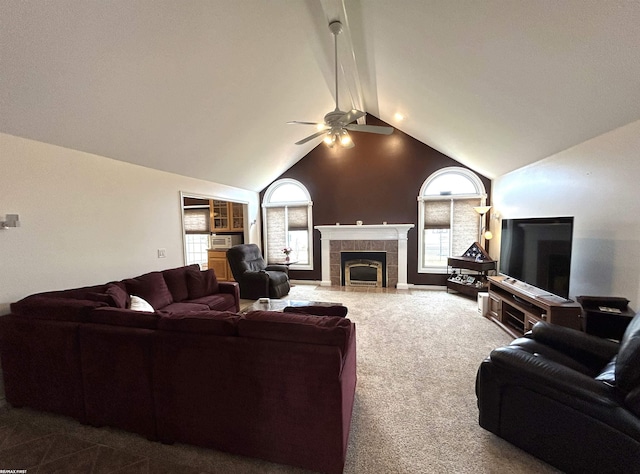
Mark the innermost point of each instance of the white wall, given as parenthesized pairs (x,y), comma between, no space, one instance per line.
(87,219)
(597,182)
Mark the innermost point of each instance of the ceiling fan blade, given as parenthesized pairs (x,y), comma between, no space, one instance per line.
(370,129)
(296,122)
(352,115)
(311,137)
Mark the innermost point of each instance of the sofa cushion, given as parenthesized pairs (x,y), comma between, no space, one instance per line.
(140,304)
(632,401)
(201,322)
(218,301)
(100,297)
(151,287)
(201,283)
(176,279)
(332,310)
(55,309)
(83,293)
(118,295)
(325,330)
(123,317)
(183,306)
(628,360)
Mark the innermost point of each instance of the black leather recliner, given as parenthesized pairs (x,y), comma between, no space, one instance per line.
(255,277)
(569,398)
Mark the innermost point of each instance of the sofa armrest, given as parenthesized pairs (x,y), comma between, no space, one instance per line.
(277,268)
(547,376)
(233,288)
(255,277)
(591,350)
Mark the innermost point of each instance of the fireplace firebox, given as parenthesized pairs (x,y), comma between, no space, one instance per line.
(366,269)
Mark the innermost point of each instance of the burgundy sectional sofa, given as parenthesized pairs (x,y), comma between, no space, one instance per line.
(275,386)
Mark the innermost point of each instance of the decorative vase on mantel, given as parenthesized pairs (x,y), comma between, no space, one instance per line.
(286,259)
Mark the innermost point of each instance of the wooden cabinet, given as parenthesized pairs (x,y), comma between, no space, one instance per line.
(218,262)
(516,306)
(237,216)
(226,216)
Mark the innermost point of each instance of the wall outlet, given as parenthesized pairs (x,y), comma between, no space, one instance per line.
(162,253)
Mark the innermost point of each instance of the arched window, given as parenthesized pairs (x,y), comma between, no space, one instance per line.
(448,225)
(288,223)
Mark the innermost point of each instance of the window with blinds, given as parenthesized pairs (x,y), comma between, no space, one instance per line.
(449,223)
(287,227)
(196,221)
(287,214)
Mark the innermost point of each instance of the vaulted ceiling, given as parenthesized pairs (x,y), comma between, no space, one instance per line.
(205,88)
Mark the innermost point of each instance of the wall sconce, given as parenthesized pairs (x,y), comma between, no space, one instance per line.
(12,220)
(484,231)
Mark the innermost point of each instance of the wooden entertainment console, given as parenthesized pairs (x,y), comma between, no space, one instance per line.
(516,306)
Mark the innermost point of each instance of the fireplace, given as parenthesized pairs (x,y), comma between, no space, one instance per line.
(389,239)
(365,269)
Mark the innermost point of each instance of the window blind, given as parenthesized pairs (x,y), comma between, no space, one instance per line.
(465,225)
(277,233)
(297,218)
(196,221)
(437,214)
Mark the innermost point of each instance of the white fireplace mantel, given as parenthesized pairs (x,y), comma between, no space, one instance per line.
(365,232)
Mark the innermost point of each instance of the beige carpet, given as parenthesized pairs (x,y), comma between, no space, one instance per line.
(415,409)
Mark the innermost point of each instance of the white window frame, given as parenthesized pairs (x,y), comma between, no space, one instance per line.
(266,203)
(480,193)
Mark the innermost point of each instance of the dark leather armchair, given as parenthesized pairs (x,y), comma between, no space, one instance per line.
(255,277)
(569,398)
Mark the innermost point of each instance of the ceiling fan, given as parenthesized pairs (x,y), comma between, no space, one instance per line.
(337,123)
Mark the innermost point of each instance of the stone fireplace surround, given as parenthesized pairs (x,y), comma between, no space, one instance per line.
(389,238)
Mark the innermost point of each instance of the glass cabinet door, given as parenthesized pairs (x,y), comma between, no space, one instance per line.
(237,216)
(220,218)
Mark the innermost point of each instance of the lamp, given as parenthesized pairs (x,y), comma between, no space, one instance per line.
(484,232)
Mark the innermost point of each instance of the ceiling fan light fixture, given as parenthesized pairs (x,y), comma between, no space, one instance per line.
(337,122)
(330,139)
(345,139)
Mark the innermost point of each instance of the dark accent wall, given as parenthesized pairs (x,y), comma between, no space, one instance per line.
(377,180)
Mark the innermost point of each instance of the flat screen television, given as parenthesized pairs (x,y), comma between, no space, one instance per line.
(537,251)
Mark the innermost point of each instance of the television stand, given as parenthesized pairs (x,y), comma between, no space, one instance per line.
(516,306)
(522,302)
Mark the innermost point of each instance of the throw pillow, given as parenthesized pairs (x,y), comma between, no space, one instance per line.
(176,279)
(151,287)
(202,283)
(139,304)
(119,297)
